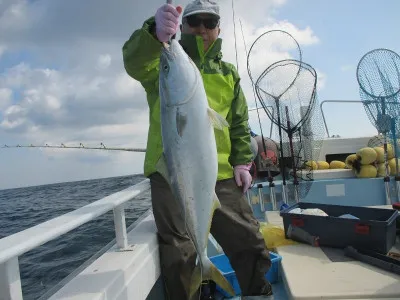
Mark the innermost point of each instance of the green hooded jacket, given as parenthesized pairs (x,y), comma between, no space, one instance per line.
(141,56)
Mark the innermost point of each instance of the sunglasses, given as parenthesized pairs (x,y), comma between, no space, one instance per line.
(195,21)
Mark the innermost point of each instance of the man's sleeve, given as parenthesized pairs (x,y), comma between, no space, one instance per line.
(141,54)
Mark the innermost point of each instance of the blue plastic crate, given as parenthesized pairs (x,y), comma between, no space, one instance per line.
(222,263)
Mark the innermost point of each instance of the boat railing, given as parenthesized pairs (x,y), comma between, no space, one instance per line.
(11,247)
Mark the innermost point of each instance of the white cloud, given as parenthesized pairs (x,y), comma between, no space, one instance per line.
(104,61)
(51,98)
(321,79)
(125,87)
(11,119)
(5,98)
(13,14)
(76,89)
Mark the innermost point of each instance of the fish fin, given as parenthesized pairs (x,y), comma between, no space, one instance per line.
(210,272)
(196,280)
(161,167)
(216,204)
(216,119)
(218,278)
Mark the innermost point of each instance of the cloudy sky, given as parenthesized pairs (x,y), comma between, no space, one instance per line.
(62,79)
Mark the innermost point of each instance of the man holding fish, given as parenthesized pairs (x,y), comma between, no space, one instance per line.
(198,152)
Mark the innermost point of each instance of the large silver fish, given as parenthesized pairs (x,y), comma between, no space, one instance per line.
(189,162)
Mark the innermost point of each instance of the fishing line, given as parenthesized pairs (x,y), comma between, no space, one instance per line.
(81,147)
(270,178)
(234,35)
(253,88)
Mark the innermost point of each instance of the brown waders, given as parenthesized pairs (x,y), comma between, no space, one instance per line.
(233,226)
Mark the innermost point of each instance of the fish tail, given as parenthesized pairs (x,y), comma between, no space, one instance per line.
(206,270)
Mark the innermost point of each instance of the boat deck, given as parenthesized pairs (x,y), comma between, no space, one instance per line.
(325,273)
(307,272)
(278,288)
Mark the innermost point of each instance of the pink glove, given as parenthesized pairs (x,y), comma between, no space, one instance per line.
(243,176)
(167,20)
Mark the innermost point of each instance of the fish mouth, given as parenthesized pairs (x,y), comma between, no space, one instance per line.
(167,51)
(166,46)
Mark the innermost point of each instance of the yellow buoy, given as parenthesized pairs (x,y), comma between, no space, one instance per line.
(311,165)
(390,151)
(380,154)
(337,164)
(350,160)
(367,171)
(322,165)
(382,170)
(367,155)
(392,165)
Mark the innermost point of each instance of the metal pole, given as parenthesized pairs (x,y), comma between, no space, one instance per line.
(120,227)
(261,197)
(249,199)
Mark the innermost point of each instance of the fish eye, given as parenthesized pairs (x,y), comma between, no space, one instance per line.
(166,68)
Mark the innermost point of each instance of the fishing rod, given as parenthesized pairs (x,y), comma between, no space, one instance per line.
(81,147)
